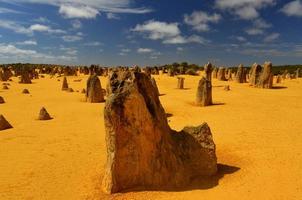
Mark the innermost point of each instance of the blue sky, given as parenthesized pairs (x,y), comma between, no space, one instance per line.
(129,32)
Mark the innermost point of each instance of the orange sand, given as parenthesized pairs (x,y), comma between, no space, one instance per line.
(258,134)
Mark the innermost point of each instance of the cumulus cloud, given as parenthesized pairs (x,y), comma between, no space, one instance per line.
(241,39)
(93,44)
(293,8)
(169,33)
(78,11)
(200,20)
(244,9)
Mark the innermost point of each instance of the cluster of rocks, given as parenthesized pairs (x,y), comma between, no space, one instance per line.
(261,77)
(142,150)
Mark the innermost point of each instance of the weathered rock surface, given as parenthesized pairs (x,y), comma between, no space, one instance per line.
(266,77)
(44,115)
(94,92)
(142,150)
(208,71)
(65,84)
(25,91)
(155,85)
(180,82)
(240,75)
(255,73)
(4,124)
(204,92)
(221,74)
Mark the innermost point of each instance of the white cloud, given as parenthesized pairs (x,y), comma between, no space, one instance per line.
(258,28)
(26,55)
(179,49)
(27,42)
(184,40)
(7,10)
(244,9)
(144,50)
(293,8)
(71,38)
(90,8)
(44,28)
(158,30)
(78,11)
(241,39)
(199,20)
(93,44)
(169,33)
(76,24)
(112,16)
(272,37)
(11,25)
(254,31)
(126,50)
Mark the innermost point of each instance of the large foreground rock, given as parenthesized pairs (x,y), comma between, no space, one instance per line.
(4,124)
(142,150)
(204,92)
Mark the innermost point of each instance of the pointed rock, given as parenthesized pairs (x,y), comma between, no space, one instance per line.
(4,124)
(43,115)
(25,91)
(1,100)
(65,84)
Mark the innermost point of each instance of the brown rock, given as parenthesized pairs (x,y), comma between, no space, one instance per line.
(25,77)
(142,150)
(204,93)
(214,73)
(180,82)
(25,91)
(221,74)
(208,71)
(43,115)
(83,91)
(65,84)
(155,85)
(4,124)
(255,73)
(94,93)
(226,87)
(1,100)
(70,90)
(266,77)
(240,75)
(278,79)
(5,87)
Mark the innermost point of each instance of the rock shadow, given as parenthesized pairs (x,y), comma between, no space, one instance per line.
(278,87)
(197,183)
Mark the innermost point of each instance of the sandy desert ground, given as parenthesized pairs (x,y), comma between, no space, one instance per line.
(257,133)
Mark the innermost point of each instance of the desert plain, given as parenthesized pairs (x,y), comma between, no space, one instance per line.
(257,133)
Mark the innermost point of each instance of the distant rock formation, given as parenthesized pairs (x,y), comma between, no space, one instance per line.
(226,87)
(204,92)
(44,115)
(278,79)
(230,75)
(4,124)
(221,74)
(180,82)
(142,150)
(25,91)
(208,71)
(94,93)
(255,73)
(4,87)
(240,75)
(155,85)
(266,77)
(25,76)
(214,73)
(65,84)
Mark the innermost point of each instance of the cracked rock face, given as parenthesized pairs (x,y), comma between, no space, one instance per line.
(266,76)
(142,150)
